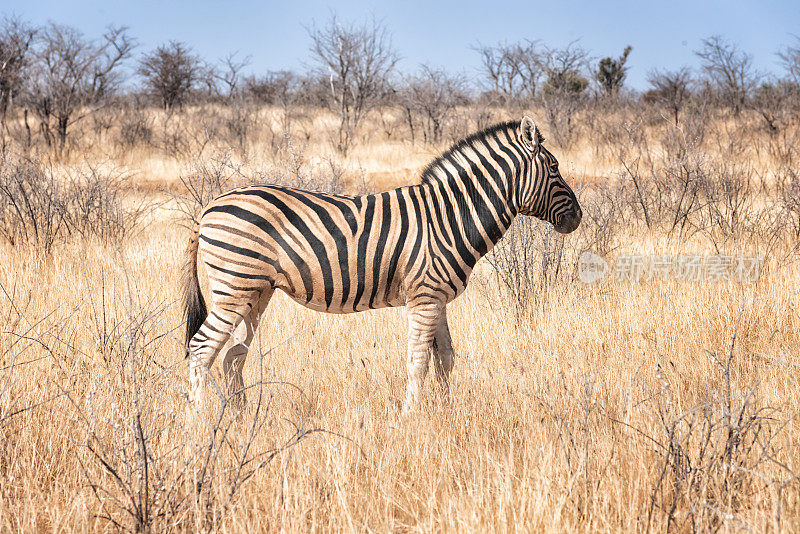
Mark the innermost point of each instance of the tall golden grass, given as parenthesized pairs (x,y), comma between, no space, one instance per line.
(617,406)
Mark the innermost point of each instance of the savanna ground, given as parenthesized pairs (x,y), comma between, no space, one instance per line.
(620,405)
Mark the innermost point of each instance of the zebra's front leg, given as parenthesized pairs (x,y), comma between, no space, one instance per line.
(423,320)
(443,356)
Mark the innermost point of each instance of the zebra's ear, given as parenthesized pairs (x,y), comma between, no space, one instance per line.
(528,133)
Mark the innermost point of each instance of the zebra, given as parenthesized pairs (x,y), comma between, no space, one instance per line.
(414,246)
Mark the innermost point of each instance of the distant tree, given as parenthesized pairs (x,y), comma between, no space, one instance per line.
(275,87)
(206,83)
(16,40)
(771,100)
(729,70)
(283,89)
(672,89)
(170,72)
(790,59)
(358,60)
(74,77)
(314,90)
(513,70)
(433,94)
(563,87)
(611,72)
(563,68)
(230,72)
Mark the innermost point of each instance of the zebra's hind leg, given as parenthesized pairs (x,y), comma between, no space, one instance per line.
(443,355)
(423,320)
(233,363)
(207,343)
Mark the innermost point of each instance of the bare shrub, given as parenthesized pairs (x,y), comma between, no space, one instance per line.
(728,202)
(207,180)
(783,146)
(788,194)
(678,195)
(189,137)
(101,123)
(678,190)
(150,468)
(717,454)
(578,416)
(102,205)
(528,261)
(676,187)
(134,128)
(392,122)
(294,169)
(689,136)
(469,119)
(34,204)
(21,334)
(603,217)
(40,208)
(629,144)
(239,123)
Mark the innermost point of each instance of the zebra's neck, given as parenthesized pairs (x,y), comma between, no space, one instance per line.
(473,186)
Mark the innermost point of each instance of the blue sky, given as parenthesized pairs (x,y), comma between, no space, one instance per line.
(663,34)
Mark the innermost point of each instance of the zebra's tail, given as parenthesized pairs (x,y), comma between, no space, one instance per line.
(193,303)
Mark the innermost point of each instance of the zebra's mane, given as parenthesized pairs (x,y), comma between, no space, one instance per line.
(429,173)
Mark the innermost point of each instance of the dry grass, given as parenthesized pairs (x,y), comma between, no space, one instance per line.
(558,420)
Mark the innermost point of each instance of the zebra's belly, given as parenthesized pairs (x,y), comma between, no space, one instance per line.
(319,303)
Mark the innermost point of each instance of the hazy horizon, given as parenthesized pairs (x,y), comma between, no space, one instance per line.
(276,37)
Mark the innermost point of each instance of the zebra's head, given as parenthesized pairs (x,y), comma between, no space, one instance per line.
(543,192)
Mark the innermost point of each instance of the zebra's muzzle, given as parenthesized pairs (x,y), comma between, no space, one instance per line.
(568,222)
